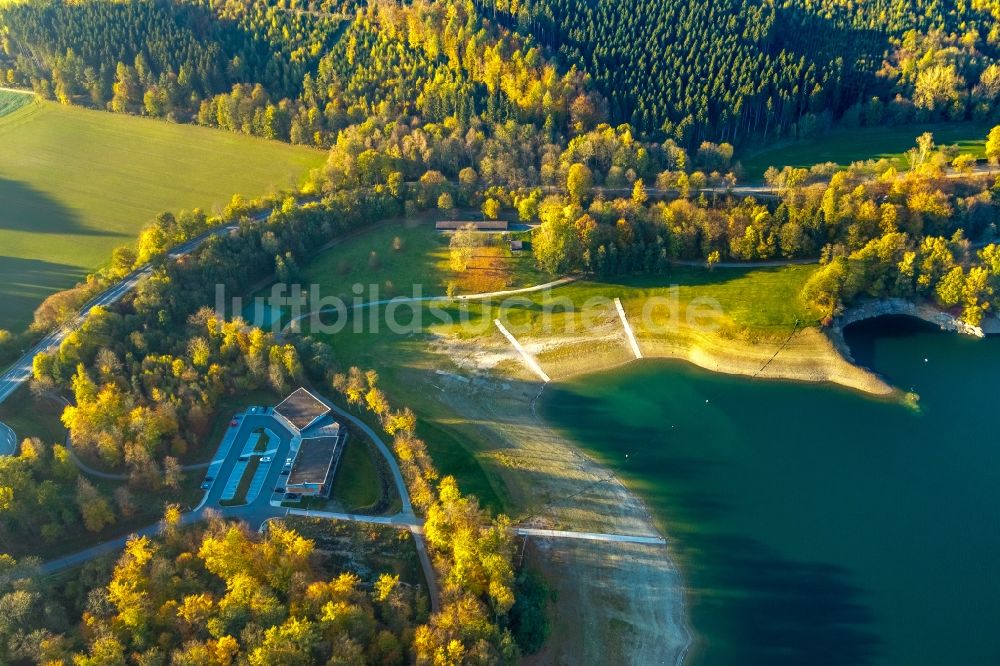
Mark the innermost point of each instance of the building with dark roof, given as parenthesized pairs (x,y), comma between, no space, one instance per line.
(301,409)
(316,461)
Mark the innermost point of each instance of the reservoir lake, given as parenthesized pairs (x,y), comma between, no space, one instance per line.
(814,524)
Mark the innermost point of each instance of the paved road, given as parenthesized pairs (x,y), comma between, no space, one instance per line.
(20,372)
(405,521)
(390,459)
(8,440)
(254,513)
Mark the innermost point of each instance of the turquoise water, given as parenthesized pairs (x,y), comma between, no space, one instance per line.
(814,525)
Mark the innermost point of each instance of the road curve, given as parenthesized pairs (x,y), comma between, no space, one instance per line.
(8,440)
(20,372)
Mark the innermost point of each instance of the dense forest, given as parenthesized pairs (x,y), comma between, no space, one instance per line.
(283,72)
(442,104)
(733,70)
(218,594)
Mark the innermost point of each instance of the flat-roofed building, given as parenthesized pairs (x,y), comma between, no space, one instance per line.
(316,461)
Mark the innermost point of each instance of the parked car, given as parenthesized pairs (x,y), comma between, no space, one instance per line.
(284,472)
(233,423)
(279,490)
(205,485)
(266,459)
(244,458)
(292,496)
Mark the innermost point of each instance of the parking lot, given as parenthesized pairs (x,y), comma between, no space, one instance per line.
(236,451)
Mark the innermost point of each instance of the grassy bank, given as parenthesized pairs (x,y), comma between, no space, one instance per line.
(572,330)
(75,183)
(34,417)
(412,259)
(844,146)
(476,402)
(357,484)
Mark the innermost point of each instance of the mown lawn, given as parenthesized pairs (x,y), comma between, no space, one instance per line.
(357,484)
(75,183)
(762,301)
(405,259)
(29,416)
(845,146)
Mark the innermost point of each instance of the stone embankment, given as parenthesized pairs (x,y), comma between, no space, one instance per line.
(899,306)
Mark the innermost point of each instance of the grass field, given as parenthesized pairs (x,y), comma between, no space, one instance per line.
(422,259)
(75,183)
(756,305)
(357,484)
(844,146)
(11,100)
(34,417)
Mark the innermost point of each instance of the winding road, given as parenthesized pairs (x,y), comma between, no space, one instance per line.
(259,512)
(20,372)
(8,440)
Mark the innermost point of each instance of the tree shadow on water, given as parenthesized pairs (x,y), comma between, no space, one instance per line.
(750,603)
(756,607)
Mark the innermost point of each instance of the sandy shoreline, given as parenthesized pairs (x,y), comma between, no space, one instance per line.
(618,602)
(808,355)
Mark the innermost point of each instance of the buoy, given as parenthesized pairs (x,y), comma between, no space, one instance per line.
(925,360)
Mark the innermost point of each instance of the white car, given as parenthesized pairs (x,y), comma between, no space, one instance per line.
(266,459)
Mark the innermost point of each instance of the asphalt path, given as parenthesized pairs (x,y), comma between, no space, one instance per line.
(484,296)
(254,513)
(8,440)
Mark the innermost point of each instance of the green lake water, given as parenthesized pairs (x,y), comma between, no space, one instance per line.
(814,525)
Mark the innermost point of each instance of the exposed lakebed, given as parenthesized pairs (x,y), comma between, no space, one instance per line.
(814,524)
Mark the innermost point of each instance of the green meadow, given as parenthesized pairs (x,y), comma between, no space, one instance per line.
(75,183)
(762,301)
(844,146)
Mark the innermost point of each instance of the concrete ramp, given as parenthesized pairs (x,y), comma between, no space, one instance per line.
(529,360)
(628,329)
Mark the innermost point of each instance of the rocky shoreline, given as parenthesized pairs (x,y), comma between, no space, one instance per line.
(898,306)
